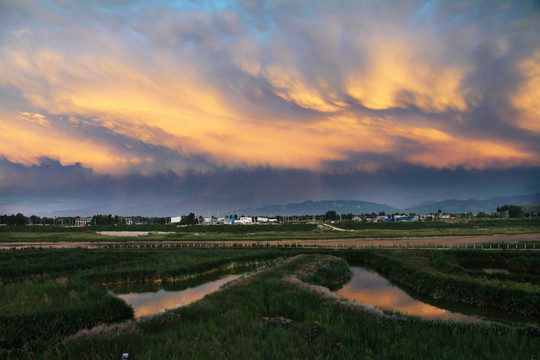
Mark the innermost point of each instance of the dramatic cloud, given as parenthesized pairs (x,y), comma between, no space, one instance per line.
(139,87)
(51,188)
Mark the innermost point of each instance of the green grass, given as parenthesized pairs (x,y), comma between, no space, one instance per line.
(116,265)
(35,314)
(46,295)
(56,294)
(229,325)
(332,273)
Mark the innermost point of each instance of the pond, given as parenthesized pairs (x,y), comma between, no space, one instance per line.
(369,287)
(148,299)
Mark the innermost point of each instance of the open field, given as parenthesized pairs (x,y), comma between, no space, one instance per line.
(276,313)
(261,233)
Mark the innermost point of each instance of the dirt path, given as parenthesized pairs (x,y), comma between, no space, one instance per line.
(410,241)
(419,241)
(325,226)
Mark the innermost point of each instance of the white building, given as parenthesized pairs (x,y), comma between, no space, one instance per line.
(244,220)
(176,219)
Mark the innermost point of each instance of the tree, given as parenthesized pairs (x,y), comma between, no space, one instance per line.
(331,215)
(20,219)
(348,216)
(190,219)
(513,211)
(103,220)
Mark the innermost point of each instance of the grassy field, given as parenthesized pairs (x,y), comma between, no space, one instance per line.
(300,231)
(270,316)
(48,295)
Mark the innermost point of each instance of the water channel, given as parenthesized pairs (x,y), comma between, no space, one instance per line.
(369,287)
(149,299)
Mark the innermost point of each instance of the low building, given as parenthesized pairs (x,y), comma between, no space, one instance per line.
(176,219)
(244,220)
(83,221)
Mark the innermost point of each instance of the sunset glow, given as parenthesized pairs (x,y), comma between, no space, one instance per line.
(139,89)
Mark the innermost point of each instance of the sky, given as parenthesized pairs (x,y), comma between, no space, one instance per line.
(166,107)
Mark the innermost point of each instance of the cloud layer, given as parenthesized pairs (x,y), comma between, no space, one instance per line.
(123,87)
(292,98)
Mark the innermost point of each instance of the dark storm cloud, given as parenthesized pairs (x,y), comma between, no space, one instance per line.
(52,189)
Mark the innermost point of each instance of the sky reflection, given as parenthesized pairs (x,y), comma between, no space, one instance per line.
(370,288)
(149,303)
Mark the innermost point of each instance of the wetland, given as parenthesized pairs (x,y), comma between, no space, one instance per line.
(67,303)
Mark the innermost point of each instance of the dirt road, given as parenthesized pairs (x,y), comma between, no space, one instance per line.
(420,241)
(387,242)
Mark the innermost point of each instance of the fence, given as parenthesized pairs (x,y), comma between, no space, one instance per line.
(292,245)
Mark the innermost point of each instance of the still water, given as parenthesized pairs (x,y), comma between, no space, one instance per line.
(156,300)
(368,287)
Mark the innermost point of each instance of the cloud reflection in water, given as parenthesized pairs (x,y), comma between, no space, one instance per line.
(149,303)
(370,288)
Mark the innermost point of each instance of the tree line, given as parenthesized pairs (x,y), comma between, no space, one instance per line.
(508,211)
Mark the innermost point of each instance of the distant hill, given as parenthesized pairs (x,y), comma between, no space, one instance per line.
(222,206)
(321,207)
(365,207)
(474,206)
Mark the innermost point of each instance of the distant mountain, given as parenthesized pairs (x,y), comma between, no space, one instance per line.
(321,207)
(474,206)
(364,207)
(223,206)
